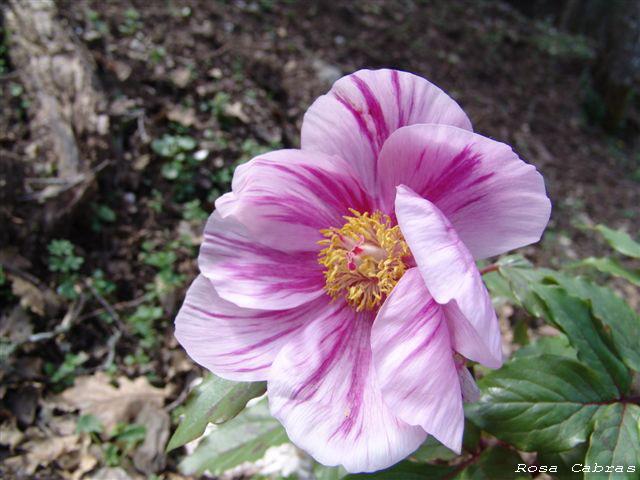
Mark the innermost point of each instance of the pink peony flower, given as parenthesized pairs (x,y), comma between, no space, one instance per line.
(344,273)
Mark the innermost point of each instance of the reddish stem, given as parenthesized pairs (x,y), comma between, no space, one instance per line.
(494,267)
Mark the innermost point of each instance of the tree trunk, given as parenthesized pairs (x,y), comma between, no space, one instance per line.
(58,75)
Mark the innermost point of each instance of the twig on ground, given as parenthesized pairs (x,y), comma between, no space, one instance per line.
(116,307)
(64,326)
(103,301)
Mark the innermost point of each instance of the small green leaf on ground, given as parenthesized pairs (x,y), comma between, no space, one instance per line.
(89,424)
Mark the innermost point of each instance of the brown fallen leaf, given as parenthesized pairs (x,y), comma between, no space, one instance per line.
(181,77)
(16,325)
(110,473)
(183,116)
(10,436)
(31,297)
(42,452)
(95,395)
(77,463)
(150,457)
(235,110)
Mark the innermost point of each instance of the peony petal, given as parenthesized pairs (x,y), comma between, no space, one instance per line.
(495,201)
(451,276)
(414,361)
(284,198)
(468,386)
(233,342)
(253,275)
(361,110)
(323,389)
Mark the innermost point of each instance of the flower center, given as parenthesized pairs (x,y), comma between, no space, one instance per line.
(364,259)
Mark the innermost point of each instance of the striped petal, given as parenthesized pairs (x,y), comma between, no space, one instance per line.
(323,389)
(253,275)
(237,343)
(414,361)
(451,276)
(361,110)
(495,201)
(284,198)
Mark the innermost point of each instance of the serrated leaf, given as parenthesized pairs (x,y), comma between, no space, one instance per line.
(558,345)
(215,400)
(564,461)
(246,438)
(521,275)
(615,441)
(573,317)
(493,463)
(540,403)
(613,312)
(620,241)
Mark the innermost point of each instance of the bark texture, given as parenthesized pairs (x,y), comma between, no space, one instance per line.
(57,73)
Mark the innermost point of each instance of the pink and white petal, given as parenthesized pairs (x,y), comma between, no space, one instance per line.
(468,385)
(284,198)
(253,275)
(237,343)
(323,389)
(361,110)
(414,361)
(451,276)
(495,201)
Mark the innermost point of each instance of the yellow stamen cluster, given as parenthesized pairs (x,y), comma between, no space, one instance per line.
(364,259)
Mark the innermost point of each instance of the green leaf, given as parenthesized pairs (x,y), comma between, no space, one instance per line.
(186,143)
(128,435)
(215,400)
(558,345)
(573,317)
(497,462)
(613,312)
(432,449)
(409,471)
(499,288)
(492,463)
(615,441)
(321,472)
(540,403)
(620,241)
(610,266)
(564,461)
(88,424)
(246,438)
(521,275)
